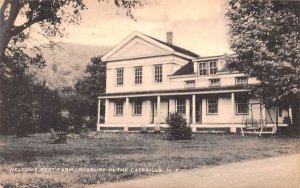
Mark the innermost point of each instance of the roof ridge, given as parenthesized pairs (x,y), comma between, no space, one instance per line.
(176,48)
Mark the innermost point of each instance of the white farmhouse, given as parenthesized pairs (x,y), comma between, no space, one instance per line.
(147,79)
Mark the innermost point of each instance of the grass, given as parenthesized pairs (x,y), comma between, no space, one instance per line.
(122,156)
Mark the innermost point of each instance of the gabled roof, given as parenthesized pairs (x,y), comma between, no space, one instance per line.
(185,70)
(169,48)
(176,48)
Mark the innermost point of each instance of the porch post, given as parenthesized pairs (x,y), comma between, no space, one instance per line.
(157,127)
(106,110)
(290,114)
(187,110)
(126,106)
(233,127)
(98,114)
(194,109)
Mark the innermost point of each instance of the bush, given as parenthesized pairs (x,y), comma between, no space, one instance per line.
(178,129)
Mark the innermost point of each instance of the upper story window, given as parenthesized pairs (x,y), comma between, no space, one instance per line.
(158,73)
(119,108)
(189,84)
(120,76)
(214,82)
(138,75)
(213,67)
(212,106)
(208,68)
(202,68)
(137,108)
(241,80)
(180,106)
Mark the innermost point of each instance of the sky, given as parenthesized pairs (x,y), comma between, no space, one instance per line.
(197,25)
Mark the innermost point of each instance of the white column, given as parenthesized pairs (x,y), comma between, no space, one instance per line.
(106,110)
(194,109)
(264,113)
(290,113)
(233,128)
(158,110)
(187,110)
(126,111)
(98,115)
(157,127)
(204,111)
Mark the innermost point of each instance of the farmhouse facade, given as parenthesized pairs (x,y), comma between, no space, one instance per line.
(147,79)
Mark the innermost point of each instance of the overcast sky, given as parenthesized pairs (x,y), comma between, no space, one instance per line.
(197,25)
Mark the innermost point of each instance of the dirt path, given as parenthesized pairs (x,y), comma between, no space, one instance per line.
(278,172)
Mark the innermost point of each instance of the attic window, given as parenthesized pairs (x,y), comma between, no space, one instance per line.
(189,84)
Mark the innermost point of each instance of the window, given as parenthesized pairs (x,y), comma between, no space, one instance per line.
(120,75)
(213,68)
(180,106)
(119,108)
(205,66)
(158,73)
(137,108)
(138,72)
(214,82)
(202,68)
(242,106)
(212,106)
(241,80)
(189,84)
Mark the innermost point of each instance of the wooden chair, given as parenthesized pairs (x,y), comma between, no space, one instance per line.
(59,137)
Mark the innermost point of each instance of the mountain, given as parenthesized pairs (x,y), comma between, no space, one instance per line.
(66,63)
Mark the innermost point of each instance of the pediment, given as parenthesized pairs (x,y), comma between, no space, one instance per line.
(137,47)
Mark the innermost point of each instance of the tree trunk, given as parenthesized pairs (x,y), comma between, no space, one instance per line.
(296,111)
(7,24)
(4,40)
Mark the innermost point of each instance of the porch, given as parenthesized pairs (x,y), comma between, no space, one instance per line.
(203,111)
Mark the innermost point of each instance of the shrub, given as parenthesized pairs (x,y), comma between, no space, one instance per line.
(178,129)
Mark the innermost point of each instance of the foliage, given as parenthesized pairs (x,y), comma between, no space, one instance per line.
(27,106)
(50,16)
(77,106)
(92,85)
(178,129)
(265,38)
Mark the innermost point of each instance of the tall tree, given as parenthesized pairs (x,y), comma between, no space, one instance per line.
(92,85)
(264,35)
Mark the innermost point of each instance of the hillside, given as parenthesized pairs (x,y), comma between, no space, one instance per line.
(66,63)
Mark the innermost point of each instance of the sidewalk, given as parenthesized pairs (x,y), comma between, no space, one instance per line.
(276,172)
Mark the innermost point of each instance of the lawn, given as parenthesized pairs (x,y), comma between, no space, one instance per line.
(108,157)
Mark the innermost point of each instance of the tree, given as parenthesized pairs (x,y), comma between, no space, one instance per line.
(28,106)
(50,15)
(92,85)
(265,38)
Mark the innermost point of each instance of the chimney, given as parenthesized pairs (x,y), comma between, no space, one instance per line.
(169,37)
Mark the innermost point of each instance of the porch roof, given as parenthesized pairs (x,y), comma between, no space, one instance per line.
(187,91)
